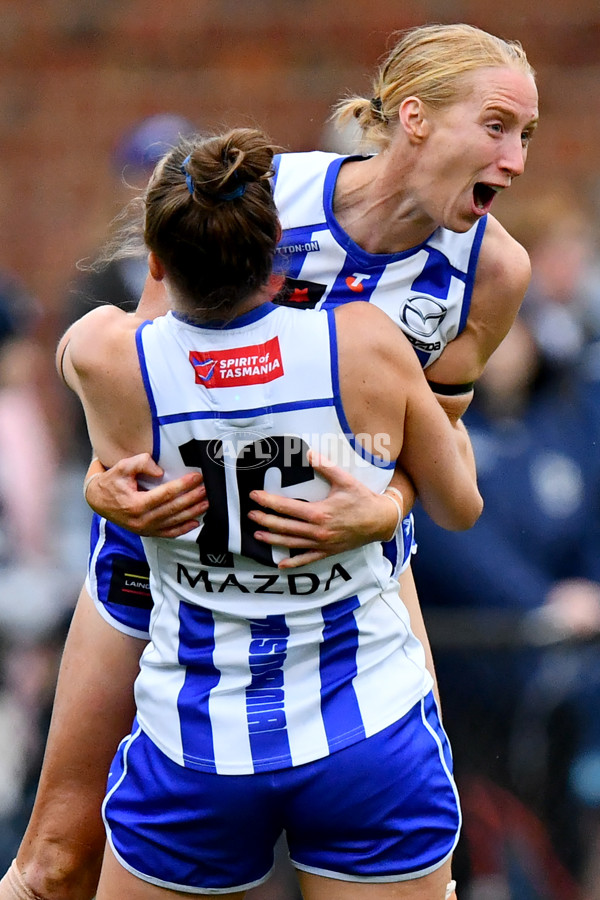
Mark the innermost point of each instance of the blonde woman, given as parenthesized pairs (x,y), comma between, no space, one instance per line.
(452,111)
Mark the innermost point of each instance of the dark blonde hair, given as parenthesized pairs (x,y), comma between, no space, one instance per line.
(428,62)
(211,220)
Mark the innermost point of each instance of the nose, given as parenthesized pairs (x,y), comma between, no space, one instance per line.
(513,157)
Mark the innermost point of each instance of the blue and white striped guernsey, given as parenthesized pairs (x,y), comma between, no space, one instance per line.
(426,290)
(249,668)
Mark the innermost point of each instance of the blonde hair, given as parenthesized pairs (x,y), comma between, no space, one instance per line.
(428,62)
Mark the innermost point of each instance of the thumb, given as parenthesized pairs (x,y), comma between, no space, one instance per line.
(142,464)
(333,474)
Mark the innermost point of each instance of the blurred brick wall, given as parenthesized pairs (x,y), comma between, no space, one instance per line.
(76,73)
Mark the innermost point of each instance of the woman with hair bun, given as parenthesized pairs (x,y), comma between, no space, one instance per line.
(408,229)
(264,698)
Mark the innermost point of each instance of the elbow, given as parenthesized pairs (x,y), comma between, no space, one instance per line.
(467,514)
(459,515)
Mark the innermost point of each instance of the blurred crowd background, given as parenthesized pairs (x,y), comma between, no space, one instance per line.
(91,91)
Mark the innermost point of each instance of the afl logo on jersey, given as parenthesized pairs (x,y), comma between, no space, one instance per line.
(423,315)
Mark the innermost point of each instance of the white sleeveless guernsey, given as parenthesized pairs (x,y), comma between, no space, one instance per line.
(426,290)
(250,668)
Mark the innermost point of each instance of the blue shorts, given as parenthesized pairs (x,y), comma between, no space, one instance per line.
(118,578)
(118,574)
(400,549)
(382,810)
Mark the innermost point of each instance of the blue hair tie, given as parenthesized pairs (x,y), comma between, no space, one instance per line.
(239,191)
(191,185)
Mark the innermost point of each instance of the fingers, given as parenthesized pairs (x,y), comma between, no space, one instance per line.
(303,559)
(292,542)
(285,506)
(335,476)
(174,519)
(175,531)
(141,464)
(280,526)
(179,494)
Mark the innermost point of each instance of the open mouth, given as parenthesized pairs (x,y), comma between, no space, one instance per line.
(483,194)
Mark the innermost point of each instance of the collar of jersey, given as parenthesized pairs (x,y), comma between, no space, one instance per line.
(254,315)
(362,257)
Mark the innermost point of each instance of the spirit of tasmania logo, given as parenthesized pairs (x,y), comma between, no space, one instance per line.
(256,364)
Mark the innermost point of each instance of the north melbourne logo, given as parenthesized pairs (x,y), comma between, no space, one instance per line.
(423,315)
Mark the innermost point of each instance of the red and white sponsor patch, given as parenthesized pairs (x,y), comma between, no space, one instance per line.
(256,364)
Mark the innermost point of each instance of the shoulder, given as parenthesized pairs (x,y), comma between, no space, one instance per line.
(503,261)
(360,315)
(364,330)
(102,334)
(103,327)
(502,276)
(301,169)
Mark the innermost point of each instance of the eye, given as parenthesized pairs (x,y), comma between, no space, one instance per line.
(496,127)
(526,137)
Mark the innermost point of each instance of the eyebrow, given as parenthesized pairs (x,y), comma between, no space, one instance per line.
(508,114)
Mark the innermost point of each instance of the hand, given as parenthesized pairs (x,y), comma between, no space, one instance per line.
(169,510)
(573,605)
(571,611)
(350,516)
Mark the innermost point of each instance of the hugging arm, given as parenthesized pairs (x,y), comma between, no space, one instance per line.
(168,510)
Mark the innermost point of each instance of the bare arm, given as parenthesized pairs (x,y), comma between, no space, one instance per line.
(97,358)
(61,852)
(395,400)
(502,277)
(168,510)
(410,599)
(350,516)
(503,274)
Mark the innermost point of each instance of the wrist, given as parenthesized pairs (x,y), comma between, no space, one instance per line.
(95,469)
(393,524)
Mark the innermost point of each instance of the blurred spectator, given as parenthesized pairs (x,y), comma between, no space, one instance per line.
(27,452)
(120,281)
(33,599)
(562,305)
(530,566)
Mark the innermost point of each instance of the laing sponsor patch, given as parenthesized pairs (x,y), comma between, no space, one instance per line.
(130,582)
(256,364)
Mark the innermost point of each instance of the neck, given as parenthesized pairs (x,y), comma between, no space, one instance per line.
(257,298)
(374,206)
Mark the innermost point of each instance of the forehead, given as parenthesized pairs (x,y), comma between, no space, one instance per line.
(508,89)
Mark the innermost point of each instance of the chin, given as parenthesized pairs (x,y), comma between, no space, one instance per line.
(461,225)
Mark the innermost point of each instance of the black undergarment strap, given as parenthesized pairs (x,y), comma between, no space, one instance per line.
(450,390)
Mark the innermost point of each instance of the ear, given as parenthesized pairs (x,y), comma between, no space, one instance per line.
(156,268)
(413,119)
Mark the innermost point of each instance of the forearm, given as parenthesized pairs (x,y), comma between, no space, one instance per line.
(455,406)
(465,447)
(461,480)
